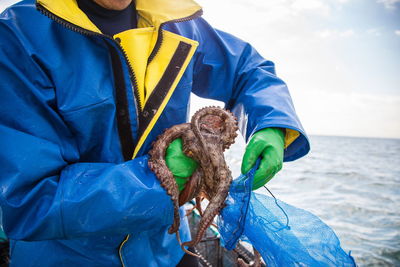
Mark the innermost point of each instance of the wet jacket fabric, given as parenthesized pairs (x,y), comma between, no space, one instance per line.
(78,115)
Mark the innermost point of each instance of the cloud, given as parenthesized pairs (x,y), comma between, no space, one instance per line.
(347,33)
(339,113)
(397,32)
(333,34)
(389,4)
(374,32)
(311,5)
(308,5)
(349,114)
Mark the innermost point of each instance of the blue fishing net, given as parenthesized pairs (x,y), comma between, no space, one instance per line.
(284,235)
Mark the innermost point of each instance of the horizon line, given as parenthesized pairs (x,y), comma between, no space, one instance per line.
(353,136)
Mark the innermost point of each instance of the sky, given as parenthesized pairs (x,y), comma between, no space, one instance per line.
(340,58)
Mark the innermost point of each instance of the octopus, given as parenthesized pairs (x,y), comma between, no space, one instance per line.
(211,131)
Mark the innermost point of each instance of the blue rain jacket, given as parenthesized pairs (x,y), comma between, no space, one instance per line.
(69,195)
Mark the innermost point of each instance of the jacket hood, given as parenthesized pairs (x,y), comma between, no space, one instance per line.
(150,12)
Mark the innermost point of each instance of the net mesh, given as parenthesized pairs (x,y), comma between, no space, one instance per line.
(283,234)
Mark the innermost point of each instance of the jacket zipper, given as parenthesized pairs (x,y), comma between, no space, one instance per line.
(156,48)
(151,57)
(83,31)
(160,35)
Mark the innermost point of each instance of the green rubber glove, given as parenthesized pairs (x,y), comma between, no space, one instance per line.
(179,164)
(268,144)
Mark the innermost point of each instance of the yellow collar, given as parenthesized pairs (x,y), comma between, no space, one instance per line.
(151,12)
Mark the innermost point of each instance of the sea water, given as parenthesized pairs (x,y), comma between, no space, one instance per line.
(353,185)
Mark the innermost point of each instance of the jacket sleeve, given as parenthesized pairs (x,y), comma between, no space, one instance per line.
(45,193)
(230,70)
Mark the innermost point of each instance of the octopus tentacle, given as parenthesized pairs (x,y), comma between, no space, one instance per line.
(158,165)
(217,202)
(255,263)
(211,211)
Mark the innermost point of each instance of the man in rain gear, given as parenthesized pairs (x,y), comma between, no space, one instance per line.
(82,100)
